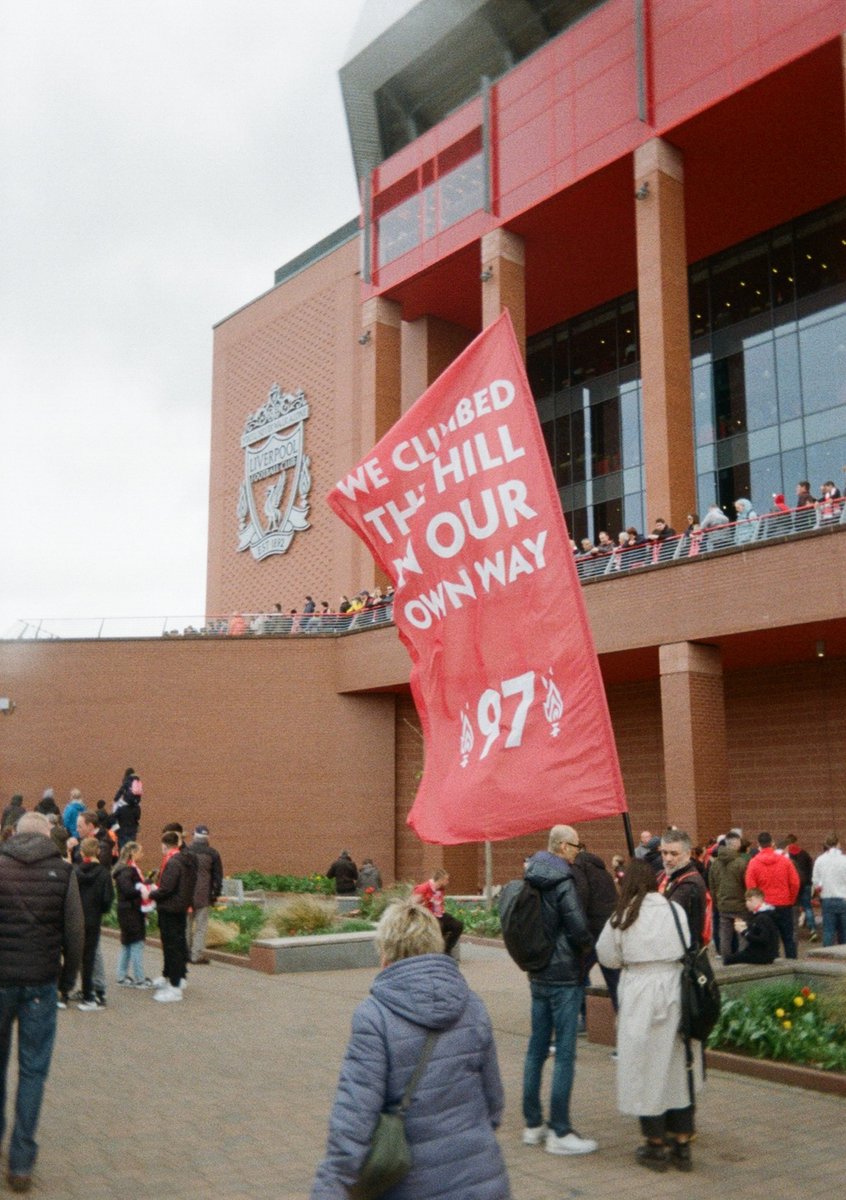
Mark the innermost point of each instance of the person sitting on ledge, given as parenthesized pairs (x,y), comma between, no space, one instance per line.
(759,935)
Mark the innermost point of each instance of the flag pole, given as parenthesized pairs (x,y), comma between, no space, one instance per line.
(627,826)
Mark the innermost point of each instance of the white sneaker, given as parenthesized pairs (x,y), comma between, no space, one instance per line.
(161,981)
(89,1006)
(570,1143)
(533,1135)
(167,995)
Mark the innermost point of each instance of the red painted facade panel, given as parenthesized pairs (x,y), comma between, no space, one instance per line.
(571,108)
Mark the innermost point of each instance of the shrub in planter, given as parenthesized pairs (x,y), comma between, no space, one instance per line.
(235,929)
(784,1021)
(481,922)
(302,915)
(257,881)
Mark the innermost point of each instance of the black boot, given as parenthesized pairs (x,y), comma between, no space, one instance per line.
(653,1155)
(680,1156)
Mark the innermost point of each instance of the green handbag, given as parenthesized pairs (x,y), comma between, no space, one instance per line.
(389,1157)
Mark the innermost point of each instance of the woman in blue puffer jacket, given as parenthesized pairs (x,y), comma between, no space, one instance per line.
(458,1101)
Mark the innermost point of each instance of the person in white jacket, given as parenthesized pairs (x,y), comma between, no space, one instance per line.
(652,1080)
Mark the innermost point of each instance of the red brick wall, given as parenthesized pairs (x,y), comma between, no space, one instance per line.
(248,736)
(302,334)
(786,749)
(252,737)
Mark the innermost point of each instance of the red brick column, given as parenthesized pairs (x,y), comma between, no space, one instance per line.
(503,266)
(429,345)
(694,727)
(664,333)
(381,362)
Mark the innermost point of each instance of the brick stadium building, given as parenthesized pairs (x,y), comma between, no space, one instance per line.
(656,189)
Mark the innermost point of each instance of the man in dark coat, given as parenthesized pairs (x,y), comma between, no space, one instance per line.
(206,891)
(598,896)
(345,873)
(556,992)
(173,894)
(41,922)
(681,881)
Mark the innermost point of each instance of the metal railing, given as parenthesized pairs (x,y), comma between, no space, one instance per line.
(653,551)
(600,564)
(240,625)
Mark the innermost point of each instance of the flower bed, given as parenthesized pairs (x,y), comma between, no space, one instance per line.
(784,1021)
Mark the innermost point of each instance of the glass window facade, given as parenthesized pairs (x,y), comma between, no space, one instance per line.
(444,202)
(768,362)
(768,375)
(586,381)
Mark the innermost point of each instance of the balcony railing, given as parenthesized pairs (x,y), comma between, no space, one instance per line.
(649,553)
(653,552)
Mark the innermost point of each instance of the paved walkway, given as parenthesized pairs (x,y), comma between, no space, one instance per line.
(227,1095)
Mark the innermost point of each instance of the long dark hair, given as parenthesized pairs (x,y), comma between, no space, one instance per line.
(638,881)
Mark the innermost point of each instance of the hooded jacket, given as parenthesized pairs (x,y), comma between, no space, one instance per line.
(775,875)
(457,1103)
(95,892)
(563,917)
(40,913)
(726,880)
(748,528)
(209,882)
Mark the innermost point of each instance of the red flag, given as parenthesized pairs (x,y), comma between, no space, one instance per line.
(458,506)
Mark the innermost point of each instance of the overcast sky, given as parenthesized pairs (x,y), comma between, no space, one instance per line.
(160,158)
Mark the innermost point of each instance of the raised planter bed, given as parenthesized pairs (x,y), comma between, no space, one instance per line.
(318,952)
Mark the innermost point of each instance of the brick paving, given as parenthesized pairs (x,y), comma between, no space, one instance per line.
(227,1095)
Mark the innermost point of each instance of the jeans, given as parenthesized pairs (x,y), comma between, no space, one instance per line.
(782,914)
(131,962)
(803,901)
(34,1008)
(834,922)
(555,1007)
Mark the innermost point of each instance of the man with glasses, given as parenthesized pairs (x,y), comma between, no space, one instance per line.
(556,993)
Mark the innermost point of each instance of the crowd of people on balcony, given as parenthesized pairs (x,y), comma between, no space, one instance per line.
(714,531)
(366,608)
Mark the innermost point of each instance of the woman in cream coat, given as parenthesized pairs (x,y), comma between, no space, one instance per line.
(652,1081)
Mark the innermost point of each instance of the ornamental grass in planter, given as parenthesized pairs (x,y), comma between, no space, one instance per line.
(783,1021)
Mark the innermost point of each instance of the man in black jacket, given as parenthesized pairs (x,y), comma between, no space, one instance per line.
(557,993)
(206,891)
(173,895)
(41,922)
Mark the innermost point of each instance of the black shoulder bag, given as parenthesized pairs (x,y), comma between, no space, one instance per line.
(389,1158)
(700,998)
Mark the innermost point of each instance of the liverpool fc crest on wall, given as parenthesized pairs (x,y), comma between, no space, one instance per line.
(273,498)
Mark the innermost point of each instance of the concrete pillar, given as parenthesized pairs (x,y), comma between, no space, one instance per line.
(429,345)
(664,333)
(693,719)
(381,363)
(503,264)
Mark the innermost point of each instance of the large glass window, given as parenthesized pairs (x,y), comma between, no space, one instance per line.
(768,372)
(585,379)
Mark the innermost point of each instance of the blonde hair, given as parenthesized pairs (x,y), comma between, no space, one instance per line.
(129,851)
(76,794)
(405,930)
(89,847)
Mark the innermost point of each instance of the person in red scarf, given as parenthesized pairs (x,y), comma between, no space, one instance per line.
(431,895)
(172,895)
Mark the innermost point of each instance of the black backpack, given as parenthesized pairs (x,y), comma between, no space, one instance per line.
(523,932)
